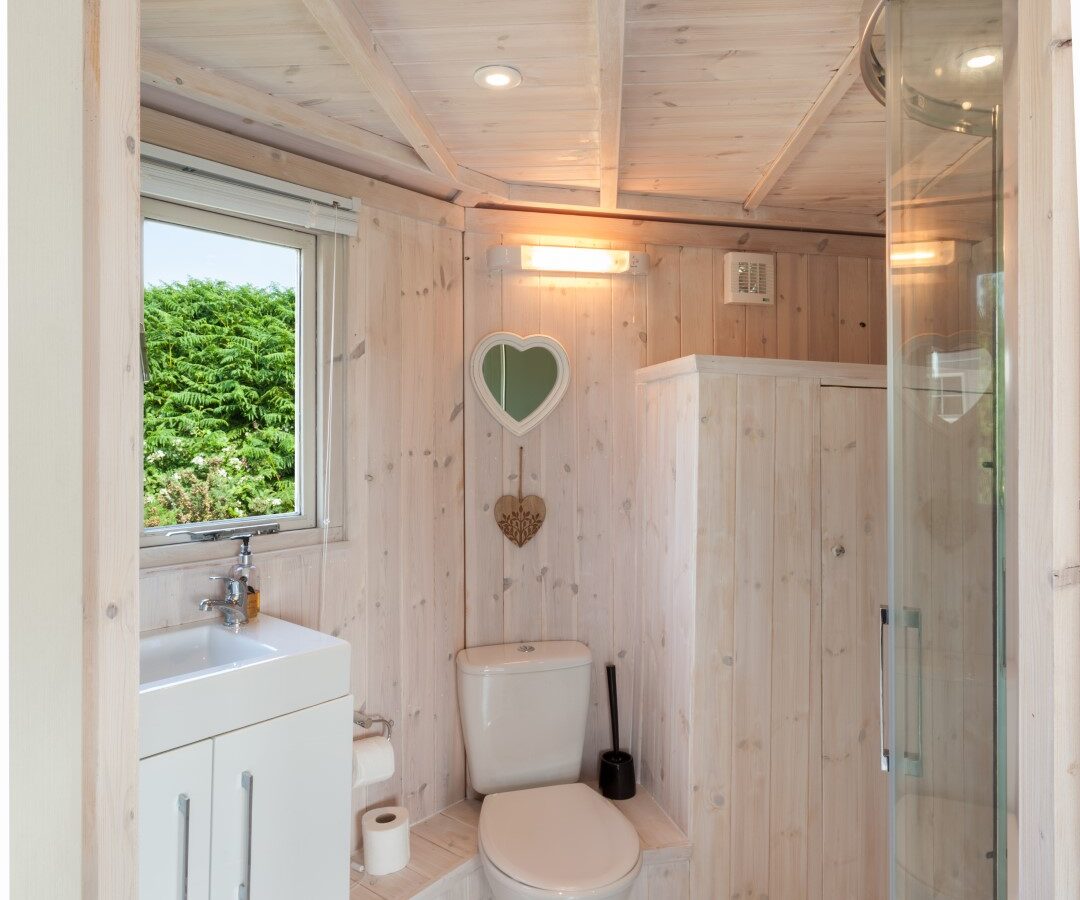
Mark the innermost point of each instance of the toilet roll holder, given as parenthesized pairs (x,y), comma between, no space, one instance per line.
(363,720)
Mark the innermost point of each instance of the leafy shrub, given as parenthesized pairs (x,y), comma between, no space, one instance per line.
(219,409)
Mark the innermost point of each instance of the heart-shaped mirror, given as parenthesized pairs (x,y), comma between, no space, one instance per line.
(520,379)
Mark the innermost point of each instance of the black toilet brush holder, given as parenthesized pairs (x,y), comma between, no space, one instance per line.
(617,779)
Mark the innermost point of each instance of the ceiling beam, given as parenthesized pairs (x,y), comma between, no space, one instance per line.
(826,102)
(688,209)
(611,34)
(194,82)
(350,34)
(186,136)
(637,231)
(186,79)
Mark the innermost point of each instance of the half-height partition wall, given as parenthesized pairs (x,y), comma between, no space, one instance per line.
(761,576)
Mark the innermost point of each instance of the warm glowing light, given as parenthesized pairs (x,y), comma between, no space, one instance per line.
(982,61)
(497,77)
(920,255)
(587,260)
(575,259)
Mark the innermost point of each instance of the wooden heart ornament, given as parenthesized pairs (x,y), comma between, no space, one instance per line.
(520,379)
(520,518)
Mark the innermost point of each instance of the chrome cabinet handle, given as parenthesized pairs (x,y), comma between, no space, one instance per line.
(247,784)
(183,804)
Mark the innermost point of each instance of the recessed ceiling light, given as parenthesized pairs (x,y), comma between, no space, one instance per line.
(980,57)
(498,78)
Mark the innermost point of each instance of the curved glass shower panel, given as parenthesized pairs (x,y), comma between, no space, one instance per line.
(943,78)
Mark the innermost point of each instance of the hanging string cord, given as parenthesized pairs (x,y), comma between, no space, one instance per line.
(327,376)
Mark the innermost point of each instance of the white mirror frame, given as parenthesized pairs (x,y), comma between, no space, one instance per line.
(562,378)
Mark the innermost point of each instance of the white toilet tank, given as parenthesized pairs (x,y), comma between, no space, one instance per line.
(523,710)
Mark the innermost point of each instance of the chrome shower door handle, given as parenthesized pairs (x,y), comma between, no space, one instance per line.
(881,688)
(910,761)
(247,784)
(183,804)
(913,761)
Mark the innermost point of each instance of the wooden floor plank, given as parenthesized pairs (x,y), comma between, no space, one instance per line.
(431,860)
(654,827)
(450,834)
(467,811)
(397,886)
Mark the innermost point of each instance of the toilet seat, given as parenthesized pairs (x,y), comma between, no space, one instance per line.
(565,838)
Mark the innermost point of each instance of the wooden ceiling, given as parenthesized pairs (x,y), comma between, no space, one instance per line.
(709,110)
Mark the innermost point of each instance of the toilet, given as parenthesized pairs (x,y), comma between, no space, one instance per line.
(541,833)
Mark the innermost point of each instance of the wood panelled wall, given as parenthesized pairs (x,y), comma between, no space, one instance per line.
(828,308)
(575,579)
(394,588)
(423,568)
(761,576)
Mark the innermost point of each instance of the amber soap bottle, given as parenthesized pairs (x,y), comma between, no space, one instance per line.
(245,571)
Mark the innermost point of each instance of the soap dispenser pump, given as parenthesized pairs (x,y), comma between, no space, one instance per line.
(244,572)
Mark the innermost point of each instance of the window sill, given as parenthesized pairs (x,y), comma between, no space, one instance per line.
(225,551)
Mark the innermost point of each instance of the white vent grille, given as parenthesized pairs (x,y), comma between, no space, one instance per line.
(753,277)
(749,278)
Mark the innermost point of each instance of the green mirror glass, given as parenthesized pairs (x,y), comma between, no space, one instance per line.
(520,379)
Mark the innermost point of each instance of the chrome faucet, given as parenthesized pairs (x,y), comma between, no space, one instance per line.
(234,607)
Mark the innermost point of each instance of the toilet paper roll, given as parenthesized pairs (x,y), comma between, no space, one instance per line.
(385,833)
(373,761)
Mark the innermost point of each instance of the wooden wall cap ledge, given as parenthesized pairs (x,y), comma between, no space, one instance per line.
(845,374)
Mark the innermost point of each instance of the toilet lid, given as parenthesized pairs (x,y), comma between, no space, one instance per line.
(560,838)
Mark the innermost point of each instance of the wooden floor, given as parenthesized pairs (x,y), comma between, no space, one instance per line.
(444,852)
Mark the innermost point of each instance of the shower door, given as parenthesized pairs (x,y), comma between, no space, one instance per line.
(941,634)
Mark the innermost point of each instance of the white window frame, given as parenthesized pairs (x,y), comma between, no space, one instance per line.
(318,282)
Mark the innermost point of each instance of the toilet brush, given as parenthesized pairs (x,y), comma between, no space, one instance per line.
(617,781)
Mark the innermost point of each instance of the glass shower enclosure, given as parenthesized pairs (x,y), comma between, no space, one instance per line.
(938,66)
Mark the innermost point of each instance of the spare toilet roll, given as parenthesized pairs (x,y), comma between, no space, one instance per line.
(373,761)
(385,832)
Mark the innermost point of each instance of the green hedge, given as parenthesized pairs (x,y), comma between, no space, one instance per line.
(219,408)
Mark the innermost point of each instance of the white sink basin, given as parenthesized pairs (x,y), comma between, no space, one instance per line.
(201,680)
(176,653)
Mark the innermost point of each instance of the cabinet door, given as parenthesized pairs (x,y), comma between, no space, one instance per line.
(174,824)
(854,509)
(282,805)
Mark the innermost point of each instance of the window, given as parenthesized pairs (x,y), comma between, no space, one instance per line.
(230,426)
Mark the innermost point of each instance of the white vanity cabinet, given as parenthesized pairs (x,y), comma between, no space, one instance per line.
(281,807)
(174,823)
(260,813)
(245,736)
